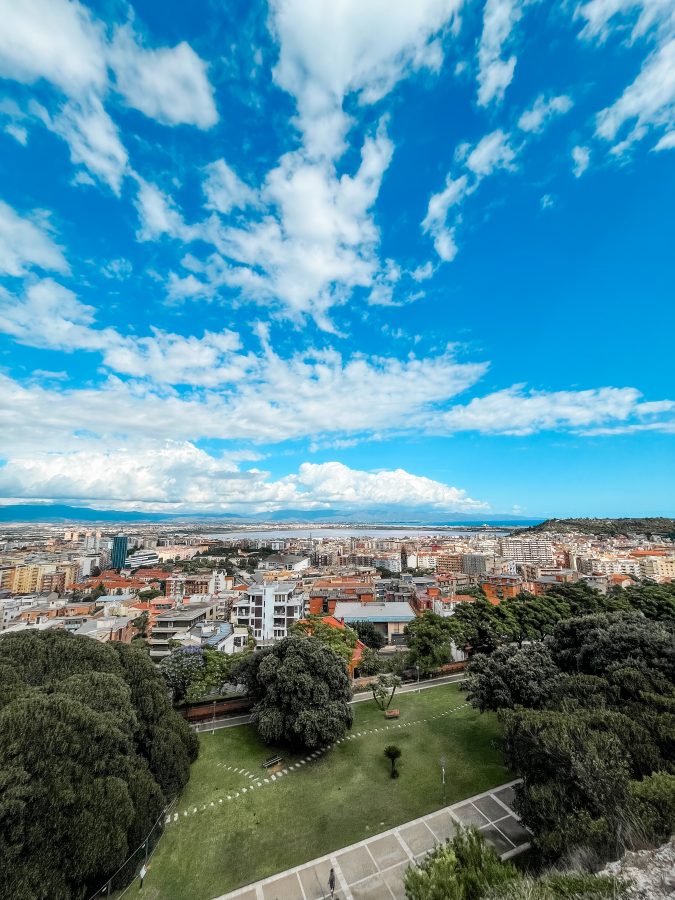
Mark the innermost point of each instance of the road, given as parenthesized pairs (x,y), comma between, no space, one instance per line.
(234,721)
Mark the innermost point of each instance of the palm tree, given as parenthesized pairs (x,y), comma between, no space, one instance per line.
(392,752)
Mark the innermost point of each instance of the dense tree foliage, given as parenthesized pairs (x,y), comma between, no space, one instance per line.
(370,663)
(301,690)
(193,673)
(369,634)
(340,640)
(430,640)
(466,868)
(589,722)
(90,752)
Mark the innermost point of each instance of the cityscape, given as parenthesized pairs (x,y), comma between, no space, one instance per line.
(337,419)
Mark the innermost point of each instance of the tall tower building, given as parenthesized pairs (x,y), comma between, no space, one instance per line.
(118,557)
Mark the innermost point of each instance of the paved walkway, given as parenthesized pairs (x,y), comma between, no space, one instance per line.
(373,869)
(234,721)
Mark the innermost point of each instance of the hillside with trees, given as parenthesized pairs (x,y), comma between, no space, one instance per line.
(91,752)
(607,527)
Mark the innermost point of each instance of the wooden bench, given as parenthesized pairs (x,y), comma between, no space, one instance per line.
(392,713)
(272,761)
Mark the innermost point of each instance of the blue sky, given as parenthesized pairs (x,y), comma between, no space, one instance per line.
(289,255)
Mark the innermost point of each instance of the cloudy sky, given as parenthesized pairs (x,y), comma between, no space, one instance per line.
(301,255)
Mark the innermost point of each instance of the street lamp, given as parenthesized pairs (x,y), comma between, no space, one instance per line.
(443,762)
(418,679)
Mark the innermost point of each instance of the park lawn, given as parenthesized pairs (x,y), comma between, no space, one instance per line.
(343,796)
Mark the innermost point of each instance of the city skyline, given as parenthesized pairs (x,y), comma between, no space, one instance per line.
(378,257)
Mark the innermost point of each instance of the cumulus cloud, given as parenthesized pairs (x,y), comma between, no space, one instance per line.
(330,51)
(180,476)
(168,84)
(55,40)
(495,73)
(314,242)
(61,42)
(542,111)
(26,244)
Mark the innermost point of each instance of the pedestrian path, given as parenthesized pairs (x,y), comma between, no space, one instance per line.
(251,782)
(373,869)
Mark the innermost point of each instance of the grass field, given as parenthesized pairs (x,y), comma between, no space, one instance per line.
(343,796)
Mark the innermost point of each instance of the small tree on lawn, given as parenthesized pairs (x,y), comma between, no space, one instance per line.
(384,689)
(392,752)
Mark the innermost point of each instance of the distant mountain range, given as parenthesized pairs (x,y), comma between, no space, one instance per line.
(389,515)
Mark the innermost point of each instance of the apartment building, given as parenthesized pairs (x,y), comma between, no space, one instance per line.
(174,621)
(535,551)
(270,609)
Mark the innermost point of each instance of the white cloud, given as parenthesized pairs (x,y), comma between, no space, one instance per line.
(542,111)
(168,84)
(649,102)
(667,142)
(93,140)
(600,15)
(224,190)
(333,482)
(159,215)
(61,42)
(495,73)
(330,51)
(492,152)
(25,244)
(435,221)
(179,476)
(516,411)
(582,159)
(423,272)
(314,242)
(52,39)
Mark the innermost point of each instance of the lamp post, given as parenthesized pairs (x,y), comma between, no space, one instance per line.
(418,679)
(443,762)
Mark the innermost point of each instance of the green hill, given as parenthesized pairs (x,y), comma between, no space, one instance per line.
(609,527)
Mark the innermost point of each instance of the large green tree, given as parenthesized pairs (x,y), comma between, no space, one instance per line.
(90,753)
(370,634)
(340,640)
(430,640)
(301,690)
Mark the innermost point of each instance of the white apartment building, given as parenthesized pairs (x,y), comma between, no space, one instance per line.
(142,558)
(270,609)
(610,566)
(534,551)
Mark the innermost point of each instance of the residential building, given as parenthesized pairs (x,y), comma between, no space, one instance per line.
(142,558)
(536,551)
(174,621)
(389,618)
(269,609)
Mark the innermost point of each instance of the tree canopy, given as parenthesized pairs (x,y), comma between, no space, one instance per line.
(301,690)
(90,753)
(340,640)
(589,723)
(370,634)
(193,673)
